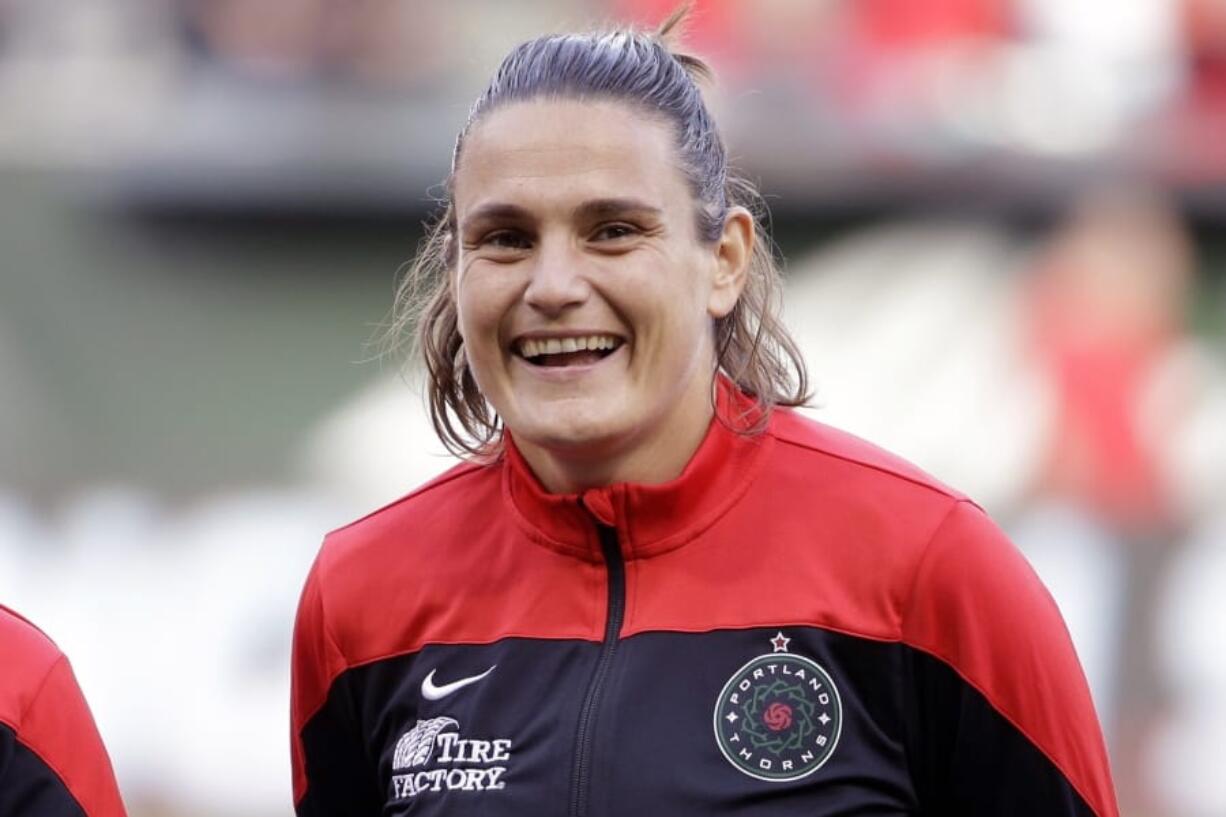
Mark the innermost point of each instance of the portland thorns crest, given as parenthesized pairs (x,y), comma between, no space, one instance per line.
(779,717)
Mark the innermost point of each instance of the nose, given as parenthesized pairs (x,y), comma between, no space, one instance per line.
(558,281)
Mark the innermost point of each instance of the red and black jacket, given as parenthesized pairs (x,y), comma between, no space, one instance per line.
(52,762)
(799,624)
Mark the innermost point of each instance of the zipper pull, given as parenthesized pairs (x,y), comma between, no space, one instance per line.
(599,503)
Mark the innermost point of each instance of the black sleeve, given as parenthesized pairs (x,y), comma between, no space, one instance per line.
(1003,723)
(970,761)
(340,774)
(28,787)
(333,774)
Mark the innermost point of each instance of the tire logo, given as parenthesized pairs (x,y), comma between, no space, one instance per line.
(779,717)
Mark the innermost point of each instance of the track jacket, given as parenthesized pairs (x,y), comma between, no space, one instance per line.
(800,624)
(52,762)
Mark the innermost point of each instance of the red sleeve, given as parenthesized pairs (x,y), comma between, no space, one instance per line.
(59,755)
(59,728)
(978,607)
(316,663)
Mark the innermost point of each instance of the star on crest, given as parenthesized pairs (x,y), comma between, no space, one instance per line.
(780,642)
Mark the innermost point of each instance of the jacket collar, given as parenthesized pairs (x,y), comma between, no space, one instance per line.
(650,519)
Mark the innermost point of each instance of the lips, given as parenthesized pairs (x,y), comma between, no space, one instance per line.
(569,350)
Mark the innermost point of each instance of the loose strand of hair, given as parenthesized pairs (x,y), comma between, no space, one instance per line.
(671,33)
(676,21)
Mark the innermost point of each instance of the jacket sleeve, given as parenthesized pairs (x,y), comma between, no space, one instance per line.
(332,774)
(1003,721)
(52,761)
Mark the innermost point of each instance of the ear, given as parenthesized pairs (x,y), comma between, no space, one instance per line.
(733,251)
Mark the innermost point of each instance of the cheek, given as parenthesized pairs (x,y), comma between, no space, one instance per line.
(678,335)
(683,309)
(478,328)
(480,306)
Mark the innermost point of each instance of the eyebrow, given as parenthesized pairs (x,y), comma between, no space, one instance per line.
(495,211)
(604,208)
(591,209)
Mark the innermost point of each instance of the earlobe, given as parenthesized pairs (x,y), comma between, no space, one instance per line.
(733,252)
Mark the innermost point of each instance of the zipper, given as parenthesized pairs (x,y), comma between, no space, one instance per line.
(591,703)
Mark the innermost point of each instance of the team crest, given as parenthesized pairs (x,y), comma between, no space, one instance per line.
(779,717)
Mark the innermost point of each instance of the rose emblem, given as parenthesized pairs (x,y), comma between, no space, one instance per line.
(778,716)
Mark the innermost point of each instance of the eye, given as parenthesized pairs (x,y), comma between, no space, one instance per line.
(614,231)
(506,240)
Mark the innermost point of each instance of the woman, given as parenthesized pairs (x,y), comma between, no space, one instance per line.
(654,589)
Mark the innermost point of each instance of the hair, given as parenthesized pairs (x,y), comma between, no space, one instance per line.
(640,69)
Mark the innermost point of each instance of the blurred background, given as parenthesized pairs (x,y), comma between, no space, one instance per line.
(1004,225)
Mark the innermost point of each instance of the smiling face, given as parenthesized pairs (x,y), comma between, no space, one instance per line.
(585,298)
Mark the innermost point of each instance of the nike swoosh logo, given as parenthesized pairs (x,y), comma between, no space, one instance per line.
(435,693)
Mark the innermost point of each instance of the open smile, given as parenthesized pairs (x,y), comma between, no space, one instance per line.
(568,351)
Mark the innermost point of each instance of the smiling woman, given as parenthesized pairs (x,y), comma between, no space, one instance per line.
(576,227)
(620,121)
(653,588)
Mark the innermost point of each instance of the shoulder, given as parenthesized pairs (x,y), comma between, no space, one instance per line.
(27,656)
(24,638)
(821,446)
(851,519)
(978,608)
(864,494)
(956,547)
(438,489)
(945,550)
(67,768)
(424,512)
(399,548)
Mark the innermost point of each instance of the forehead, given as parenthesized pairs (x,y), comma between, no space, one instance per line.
(544,153)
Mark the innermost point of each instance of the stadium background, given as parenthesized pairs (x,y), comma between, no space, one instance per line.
(1004,226)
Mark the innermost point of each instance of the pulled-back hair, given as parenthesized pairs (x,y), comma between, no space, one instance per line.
(639,69)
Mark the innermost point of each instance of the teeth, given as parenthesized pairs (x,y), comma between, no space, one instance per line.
(535,347)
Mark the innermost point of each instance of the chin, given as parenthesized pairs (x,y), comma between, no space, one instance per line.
(569,431)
